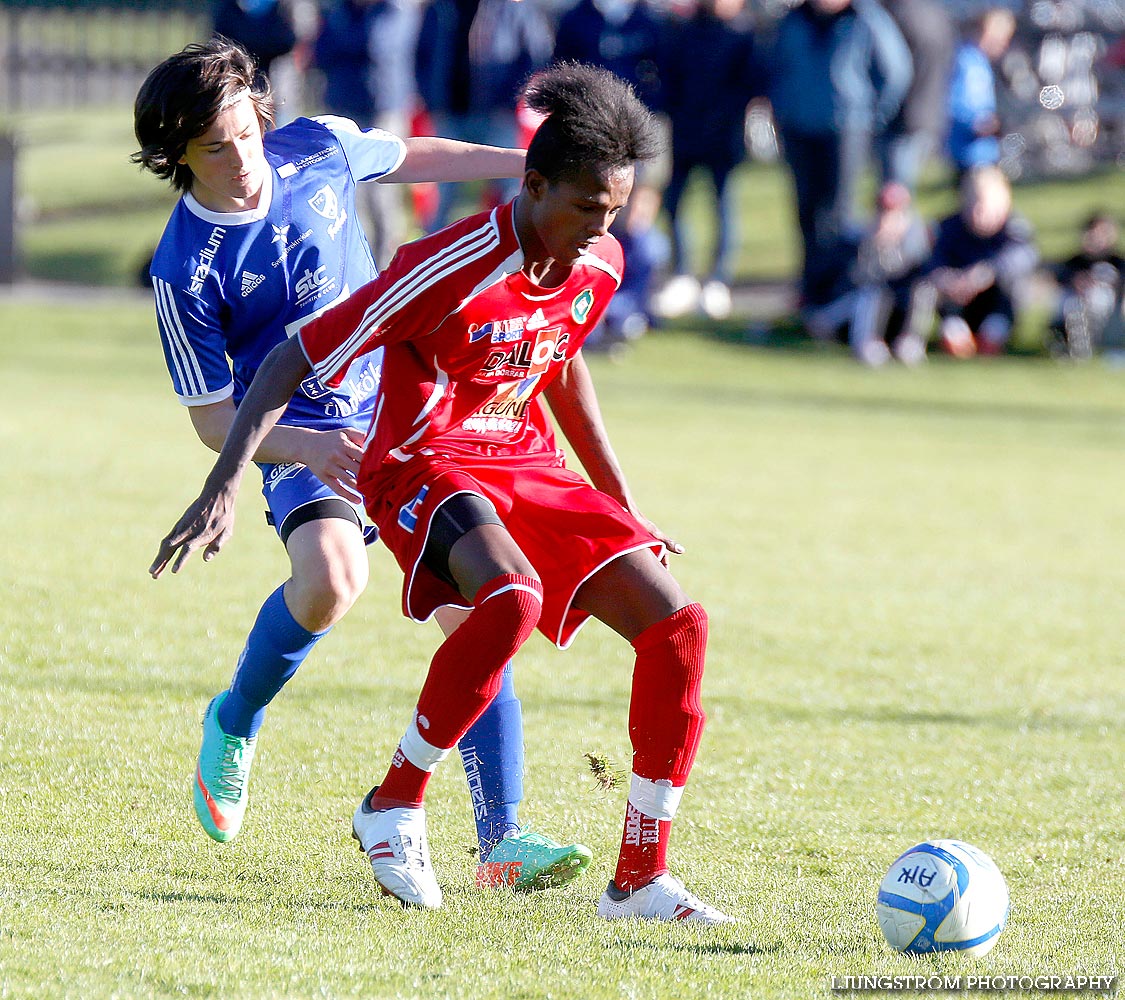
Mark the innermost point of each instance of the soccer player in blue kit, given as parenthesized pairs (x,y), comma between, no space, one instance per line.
(264,238)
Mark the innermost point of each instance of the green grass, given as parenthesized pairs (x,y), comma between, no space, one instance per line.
(914,582)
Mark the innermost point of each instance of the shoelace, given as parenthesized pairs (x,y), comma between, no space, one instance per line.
(231,778)
(413,851)
(525,835)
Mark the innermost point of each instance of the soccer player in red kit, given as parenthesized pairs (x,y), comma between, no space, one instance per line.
(462,474)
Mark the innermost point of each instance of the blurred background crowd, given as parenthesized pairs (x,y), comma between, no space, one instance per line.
(861,102)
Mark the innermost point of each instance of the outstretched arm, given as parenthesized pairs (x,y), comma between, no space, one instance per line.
(432,158)
(575,407)
(209,521)
(333,455)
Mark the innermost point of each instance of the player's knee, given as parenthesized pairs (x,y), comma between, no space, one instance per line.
(328,588)
(514,602)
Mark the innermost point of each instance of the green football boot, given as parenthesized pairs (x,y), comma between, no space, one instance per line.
(222,776)
(527,861)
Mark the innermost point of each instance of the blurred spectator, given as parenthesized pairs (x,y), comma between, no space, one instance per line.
(1090,291)
(646,248)
(974,125)
(893,306)
(623,36)
(916,131)
(982,264)
(365,49)
(472,58)
(707,62)
(262,27)
(838,74)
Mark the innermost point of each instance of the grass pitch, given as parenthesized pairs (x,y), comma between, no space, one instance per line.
(915,586)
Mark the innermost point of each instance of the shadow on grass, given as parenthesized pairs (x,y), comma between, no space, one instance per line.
(897,716)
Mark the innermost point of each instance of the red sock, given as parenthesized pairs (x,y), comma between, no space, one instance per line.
(464,676)
(665,725)
(665,714)
(644,849)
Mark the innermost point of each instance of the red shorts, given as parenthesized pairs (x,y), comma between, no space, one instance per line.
(567,529)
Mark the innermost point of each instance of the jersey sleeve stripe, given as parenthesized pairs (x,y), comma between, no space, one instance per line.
(189,374)
(593,260)
(464,251)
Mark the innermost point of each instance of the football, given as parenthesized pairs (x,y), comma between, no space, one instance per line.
(943,895)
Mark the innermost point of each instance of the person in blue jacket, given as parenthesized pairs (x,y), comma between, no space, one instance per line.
(839,71)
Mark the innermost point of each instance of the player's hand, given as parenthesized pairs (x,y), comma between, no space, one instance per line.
(334,457)
(206,524)
(671,546)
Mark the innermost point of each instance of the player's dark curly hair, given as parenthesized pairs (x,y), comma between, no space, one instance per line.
(183,96)
(594,120)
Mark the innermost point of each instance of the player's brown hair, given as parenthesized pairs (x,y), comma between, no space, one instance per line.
(182,97)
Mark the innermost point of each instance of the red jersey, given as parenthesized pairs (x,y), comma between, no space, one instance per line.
(468,342)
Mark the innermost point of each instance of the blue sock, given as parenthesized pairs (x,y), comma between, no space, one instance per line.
(276,646)
(492,752)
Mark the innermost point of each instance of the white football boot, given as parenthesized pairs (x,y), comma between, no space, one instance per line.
(664,898)
(394,841)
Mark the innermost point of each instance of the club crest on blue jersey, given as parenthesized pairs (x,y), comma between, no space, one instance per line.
(408,513)
(327,206)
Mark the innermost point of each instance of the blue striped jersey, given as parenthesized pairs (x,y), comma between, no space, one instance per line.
(230,286)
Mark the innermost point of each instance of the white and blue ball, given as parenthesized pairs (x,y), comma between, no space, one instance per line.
(943,895)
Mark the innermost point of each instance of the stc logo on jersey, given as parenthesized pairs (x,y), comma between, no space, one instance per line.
(527,359)
(312,283)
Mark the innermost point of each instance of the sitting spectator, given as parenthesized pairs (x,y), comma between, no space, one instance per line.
(1090,284)
(891,304)
(981,266)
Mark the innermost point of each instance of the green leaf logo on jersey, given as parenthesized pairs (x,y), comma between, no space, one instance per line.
(581,306)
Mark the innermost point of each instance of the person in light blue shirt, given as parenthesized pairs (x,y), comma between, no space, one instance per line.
(974,126)
(264,238)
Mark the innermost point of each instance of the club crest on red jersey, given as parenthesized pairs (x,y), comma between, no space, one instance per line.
(582,304)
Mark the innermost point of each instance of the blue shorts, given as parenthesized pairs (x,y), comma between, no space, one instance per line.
(294,496)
